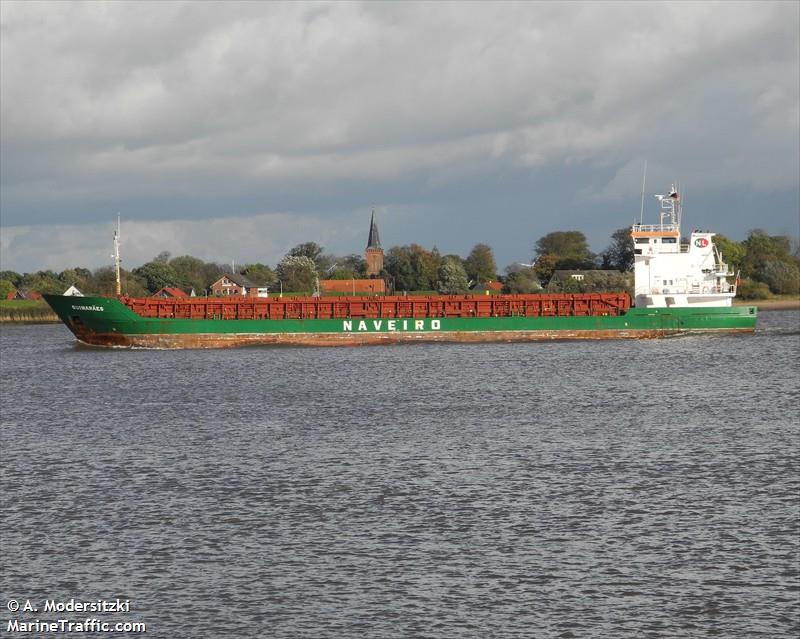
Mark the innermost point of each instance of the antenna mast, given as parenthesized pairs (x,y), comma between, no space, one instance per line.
(641,210)
(116,256)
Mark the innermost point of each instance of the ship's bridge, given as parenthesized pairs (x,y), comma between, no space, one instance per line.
(650,239)
(656,238)
(668,273)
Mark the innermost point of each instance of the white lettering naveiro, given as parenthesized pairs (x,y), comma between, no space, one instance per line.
(392,325)
(81,307)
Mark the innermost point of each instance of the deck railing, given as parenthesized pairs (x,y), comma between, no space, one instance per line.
(656,228)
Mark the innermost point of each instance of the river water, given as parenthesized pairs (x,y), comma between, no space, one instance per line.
(598,489)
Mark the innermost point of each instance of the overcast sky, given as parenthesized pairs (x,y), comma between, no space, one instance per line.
(237,130)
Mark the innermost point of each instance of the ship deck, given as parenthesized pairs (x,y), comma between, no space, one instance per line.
(382,307)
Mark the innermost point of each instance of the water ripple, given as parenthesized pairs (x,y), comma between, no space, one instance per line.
(615,489)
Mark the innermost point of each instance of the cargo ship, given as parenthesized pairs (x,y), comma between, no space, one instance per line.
(680,288)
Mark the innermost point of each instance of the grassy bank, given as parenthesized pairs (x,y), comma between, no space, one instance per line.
(26,311)
(775,303)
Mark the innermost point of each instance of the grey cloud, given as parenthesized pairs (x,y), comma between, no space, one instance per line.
(262,238)
(208,110)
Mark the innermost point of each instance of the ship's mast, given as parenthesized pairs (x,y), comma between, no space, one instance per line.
(116,257)
(670,209)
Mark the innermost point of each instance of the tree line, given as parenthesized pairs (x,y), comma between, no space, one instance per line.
(768,264)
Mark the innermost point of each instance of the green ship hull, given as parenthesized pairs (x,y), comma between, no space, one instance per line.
(105,321)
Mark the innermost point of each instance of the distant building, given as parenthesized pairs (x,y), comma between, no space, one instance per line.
(487,287)
(374,284)
(352,287)
(170,291)
(23,294)
(374,252)
(73,291)
(580,276)
(238,284)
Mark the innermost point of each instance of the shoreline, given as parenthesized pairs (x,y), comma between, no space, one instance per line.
(770,305)
(27,318)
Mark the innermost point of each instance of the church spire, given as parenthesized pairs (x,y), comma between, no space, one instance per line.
(374,240)
(374,253)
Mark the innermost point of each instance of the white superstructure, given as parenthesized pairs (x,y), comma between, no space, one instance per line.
(671,273)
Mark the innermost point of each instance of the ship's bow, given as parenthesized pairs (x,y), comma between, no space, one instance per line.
(93,320)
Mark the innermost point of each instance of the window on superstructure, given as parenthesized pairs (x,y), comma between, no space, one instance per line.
(643,240)
(669,240)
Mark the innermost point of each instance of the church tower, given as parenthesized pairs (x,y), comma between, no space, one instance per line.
(374,252)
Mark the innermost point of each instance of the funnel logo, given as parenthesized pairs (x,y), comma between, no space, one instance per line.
(701,242)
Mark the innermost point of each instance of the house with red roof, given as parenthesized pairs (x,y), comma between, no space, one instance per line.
(22,294)
(170,291)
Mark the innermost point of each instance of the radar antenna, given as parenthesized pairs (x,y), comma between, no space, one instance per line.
(670,209)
